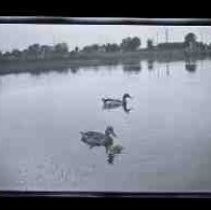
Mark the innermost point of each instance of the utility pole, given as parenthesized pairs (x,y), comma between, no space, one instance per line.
(157,38)
(167,35)
(201,36)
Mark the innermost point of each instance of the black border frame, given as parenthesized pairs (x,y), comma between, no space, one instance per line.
(98,194)
(105,21)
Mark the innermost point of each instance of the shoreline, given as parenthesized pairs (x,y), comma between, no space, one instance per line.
(97,59)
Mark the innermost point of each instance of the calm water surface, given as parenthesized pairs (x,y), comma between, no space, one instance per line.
(166,136)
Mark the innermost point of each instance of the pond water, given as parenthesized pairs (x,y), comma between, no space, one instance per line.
(166,135)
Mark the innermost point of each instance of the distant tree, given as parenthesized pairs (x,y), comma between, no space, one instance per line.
(25,54)
(16,53)
(91,48)
(34,51)
(46,51)
(190,38)
(111,47)
(76,49)
(7,56)
(95,47)
(149,43)
(130,44)
(61,49)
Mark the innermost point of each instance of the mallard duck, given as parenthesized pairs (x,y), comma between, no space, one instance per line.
(109,103)
(93,138)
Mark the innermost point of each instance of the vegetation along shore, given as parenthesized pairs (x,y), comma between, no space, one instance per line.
(45,58)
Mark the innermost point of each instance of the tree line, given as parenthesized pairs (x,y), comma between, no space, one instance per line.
(61,50)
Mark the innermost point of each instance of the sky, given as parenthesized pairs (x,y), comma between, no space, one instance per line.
(20,36)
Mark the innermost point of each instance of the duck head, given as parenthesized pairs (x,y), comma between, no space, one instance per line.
(110,131)
(125,96)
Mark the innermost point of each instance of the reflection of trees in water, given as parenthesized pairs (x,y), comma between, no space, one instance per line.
(62,70)
(190,65)
(163,70)
(40,71)
(132,66)
(110,62)
(150,64)
(37,69)
(1,83)
(96,68)
(167,69)
(74,69)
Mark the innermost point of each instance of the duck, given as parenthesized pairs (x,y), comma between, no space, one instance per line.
(109,103)
(94,138)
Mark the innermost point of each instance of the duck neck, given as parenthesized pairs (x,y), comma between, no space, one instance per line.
(107,133)
(124,100)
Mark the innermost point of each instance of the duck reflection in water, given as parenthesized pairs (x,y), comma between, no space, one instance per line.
(96,139)
(150,64)
(109,103)
(132,67)
(113,151)
(74,69)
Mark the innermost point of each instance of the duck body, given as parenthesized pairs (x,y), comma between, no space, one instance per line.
(93,138)
(109,103)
